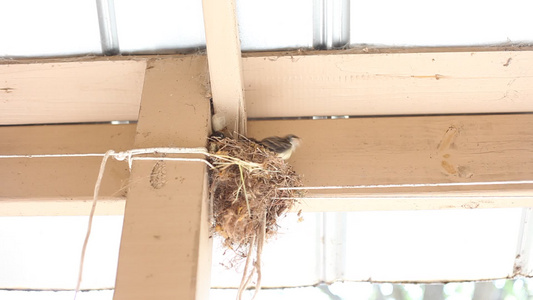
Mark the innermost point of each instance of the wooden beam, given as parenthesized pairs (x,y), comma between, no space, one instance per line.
(70,92)
(280,85)
(506,197)
(389,84)
(397,150)
(407,150)
(225,63)
(63,178)
(62,186)
(76,206)
(165,250)
(358,151)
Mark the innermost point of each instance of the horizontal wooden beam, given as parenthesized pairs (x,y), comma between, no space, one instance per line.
(70,92)
(281,85)
(312,203)
(343,152)
(398,150)
(418,201)
(388,84)
(62,178)
(75,206)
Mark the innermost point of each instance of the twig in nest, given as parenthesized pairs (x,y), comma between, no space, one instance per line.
(245,193)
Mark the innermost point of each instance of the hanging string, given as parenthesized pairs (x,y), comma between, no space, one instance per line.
(118,156)
(89,226)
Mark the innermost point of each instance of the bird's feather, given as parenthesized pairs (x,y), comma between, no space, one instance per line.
(283,146)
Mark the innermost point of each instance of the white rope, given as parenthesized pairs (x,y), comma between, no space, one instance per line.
(117,155)
(396,197)
(128,155)
(413,185)
(52,155)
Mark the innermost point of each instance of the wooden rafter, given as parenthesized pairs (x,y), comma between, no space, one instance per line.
(278,85)
(165,251)
(225,63)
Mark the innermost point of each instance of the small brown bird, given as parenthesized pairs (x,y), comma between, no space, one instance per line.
(283,146)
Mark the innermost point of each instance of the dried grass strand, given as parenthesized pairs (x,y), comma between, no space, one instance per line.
(245,193)
(245,277)
(258,255)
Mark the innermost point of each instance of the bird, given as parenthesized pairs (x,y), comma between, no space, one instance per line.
(282,146)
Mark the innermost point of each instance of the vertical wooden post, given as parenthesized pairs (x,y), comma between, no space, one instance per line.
(165,252)
(225,62)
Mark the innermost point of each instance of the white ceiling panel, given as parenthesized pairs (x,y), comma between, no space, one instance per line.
(441,245)
(35,28)
(275,24)
(440,23)
(44,252)
(159,26)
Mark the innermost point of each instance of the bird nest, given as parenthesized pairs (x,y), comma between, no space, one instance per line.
(248,188)
(250,192)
